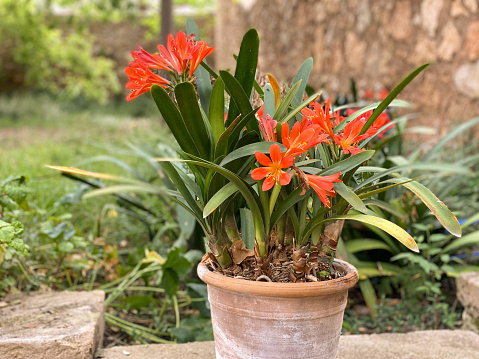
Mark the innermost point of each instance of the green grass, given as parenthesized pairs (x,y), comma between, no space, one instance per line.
(36,131)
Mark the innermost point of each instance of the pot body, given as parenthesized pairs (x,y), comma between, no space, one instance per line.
(263,320)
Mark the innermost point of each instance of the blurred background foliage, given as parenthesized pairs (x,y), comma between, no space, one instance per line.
(61,103)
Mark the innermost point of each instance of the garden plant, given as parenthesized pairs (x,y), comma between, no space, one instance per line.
(270,176)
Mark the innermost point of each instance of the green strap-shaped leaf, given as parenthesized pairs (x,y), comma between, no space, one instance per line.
(172,173)
(455,132)
(468,240)
(369,295)
(351,197)
(217,109)
(283,206)
(440,210)
(246,64)
(303,76)
(385,103)
(268,100)
(441,167)
(366,244)
(347,164)
(393,229)
(190,111)
(229,138)
(297,109)
(249,150)
(240,98)
(283,106)
(247,227)
(373,106)
(173,119)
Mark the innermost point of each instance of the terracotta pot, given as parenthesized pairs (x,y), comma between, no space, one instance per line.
(277,320)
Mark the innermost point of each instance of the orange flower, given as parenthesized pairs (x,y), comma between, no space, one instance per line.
(152,61)
(323,186)
(183,51)
(268,128)
(200,51)
(320,117)
(141,79)
(349,137)
(303,136)
(273,168)
(381,121)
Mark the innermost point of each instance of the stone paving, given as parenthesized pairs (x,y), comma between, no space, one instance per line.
(429,344)
(51,325)
(69,325)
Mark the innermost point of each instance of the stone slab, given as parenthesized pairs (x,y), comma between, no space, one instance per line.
(52,325)
(429,344)
(468,294)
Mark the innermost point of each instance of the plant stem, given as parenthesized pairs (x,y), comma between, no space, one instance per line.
(274,197)
(230,226)
(219,247)
(280,230)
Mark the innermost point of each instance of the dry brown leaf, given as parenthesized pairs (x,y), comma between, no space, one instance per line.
(239,252)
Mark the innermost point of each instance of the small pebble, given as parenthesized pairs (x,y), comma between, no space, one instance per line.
(126,353)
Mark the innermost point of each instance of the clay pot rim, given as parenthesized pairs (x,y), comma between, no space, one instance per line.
(285,290)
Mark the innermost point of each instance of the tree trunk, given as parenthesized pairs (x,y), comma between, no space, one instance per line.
(166,19)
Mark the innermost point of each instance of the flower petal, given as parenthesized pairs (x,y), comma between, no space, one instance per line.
(284,178)
(268,183)
(262,159)
(260,173)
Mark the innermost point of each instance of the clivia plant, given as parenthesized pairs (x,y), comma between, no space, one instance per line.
(271,175)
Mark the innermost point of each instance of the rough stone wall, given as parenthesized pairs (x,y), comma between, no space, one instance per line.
(376,42)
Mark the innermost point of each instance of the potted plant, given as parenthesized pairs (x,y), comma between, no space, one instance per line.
(270,178)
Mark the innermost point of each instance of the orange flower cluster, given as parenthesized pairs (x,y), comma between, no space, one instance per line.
(303,136)
(316,126)
(180,54)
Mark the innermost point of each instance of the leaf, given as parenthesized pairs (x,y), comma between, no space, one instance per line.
(351,197)
(468,240)
(248,196)
(366,244)
(302,76)
(303,104)
(455,132)
(245,72)
(190,112)
(219,198)
(173,119)
(441,167)
(373,106)
(347,164)
(369,295)
(230,136)
(249,150)
(440,210)
(385,103)
(269,100)
(217,109)
(384,205)
(239,252)
(283,106)
(239,98)
(170,282)
(393,229)
(276,90)
(247,61)
(247,227)
(65,247)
